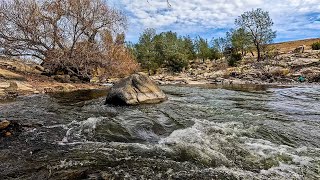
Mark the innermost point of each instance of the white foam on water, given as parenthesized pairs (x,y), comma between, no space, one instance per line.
(57,126)
(251,114)
(68,164)
(81,130)
(90,124)
(265,148)
(291,168)
(205,142)
(134,145)
(268,149)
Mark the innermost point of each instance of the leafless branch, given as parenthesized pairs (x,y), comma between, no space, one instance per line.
(65,34)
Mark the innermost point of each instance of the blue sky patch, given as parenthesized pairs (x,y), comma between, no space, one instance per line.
(212,18)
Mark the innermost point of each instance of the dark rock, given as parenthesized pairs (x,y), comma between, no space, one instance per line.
(314,77)
(8,128)
(47,72)
(271,80)
(269,76)
(62,78)
(39,68)
(299,49)
(264,78)
(234,74)
(135,89)
(74,79)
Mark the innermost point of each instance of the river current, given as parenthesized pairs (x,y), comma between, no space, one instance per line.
(206,132)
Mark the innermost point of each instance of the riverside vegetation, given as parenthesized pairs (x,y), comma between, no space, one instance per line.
(74,41)
(60,120)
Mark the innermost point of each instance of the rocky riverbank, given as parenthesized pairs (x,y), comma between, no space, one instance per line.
(292,67)
(17,78)
(284,68)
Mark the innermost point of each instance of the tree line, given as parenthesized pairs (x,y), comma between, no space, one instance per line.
(81,37)
(167,49)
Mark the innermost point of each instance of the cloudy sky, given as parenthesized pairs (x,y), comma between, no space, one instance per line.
(293,19)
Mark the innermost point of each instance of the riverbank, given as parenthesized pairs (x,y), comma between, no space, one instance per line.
(282,68)
(184,79)
(287,67)
(17,78)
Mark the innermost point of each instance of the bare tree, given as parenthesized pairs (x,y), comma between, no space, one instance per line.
(58,31)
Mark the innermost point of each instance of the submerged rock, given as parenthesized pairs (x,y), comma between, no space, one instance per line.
(135,89)
(4,124)
(8,128)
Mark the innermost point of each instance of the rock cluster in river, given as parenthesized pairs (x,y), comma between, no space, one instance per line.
(8,128)
(135,89)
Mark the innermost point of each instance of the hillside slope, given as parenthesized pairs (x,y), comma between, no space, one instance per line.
(291,45)
(287,67)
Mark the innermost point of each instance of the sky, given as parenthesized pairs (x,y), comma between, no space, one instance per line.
(293,19)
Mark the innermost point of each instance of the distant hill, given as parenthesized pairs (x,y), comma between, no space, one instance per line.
(291,45)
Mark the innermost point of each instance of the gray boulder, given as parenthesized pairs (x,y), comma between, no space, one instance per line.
(135,89)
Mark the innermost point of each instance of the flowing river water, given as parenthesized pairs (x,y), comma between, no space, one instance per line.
(209,132)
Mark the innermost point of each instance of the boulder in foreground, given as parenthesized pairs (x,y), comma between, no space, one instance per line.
(135,89)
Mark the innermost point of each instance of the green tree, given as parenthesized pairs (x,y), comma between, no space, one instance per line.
(202,48)
(232,56)
(171,51)
(145,50)
(258,23)
(220,44)
(189,47)
(240,40)
(214,54)
(218,47)
(132,49)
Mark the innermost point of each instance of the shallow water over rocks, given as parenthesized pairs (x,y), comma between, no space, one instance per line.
(207,132)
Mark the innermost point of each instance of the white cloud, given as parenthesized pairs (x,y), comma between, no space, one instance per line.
(201,16)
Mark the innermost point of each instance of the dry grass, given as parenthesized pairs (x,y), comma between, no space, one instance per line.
(10,75)
(279,72)
(291,45)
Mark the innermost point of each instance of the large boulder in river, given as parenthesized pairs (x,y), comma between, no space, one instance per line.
(135,89)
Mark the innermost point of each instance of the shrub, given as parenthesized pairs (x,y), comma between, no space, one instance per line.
(176,62)
(316,46)
(67,35)
(113,60)
(234,58)
(215,54)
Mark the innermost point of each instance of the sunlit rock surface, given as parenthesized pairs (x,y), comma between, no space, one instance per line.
(135,89)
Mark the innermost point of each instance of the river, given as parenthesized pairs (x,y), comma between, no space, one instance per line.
(201,132)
